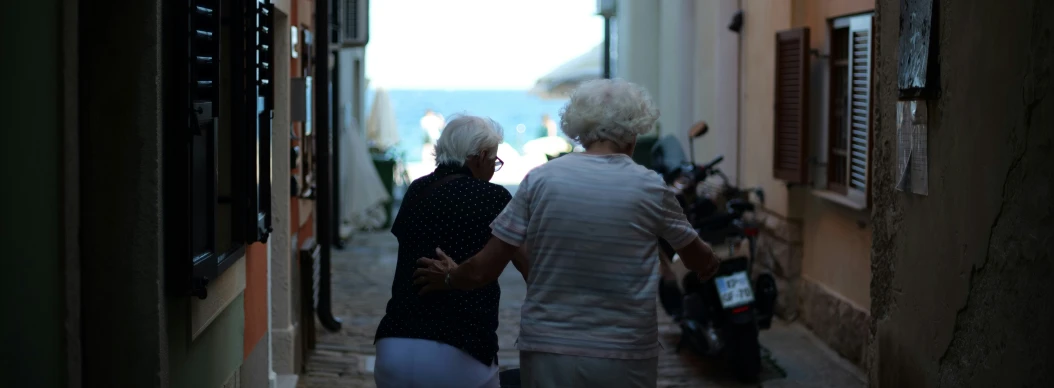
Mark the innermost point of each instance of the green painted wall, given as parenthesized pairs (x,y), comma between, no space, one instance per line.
(211,358)
(32,281)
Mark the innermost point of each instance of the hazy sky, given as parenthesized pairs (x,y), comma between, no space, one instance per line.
(475,44)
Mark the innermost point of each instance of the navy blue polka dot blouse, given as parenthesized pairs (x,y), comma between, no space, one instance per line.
(456,217)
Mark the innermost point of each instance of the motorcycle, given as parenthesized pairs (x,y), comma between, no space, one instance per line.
(722,316)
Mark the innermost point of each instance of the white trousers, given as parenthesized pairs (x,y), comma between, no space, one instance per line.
(414,363)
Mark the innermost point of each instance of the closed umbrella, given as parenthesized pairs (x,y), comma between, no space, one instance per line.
(380,124)
(363,191)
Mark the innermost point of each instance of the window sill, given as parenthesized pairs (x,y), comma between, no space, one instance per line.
(839,199)
(222,292)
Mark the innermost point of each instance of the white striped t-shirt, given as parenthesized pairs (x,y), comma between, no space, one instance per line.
(591,224)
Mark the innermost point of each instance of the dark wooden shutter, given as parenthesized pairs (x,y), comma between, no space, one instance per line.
(791,106)
(203,105)
(265,77)
(860,106)
(253,76)
(204,74)
(203,40)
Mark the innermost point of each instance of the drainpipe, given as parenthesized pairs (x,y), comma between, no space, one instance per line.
(336,125)
(737,26)
(607,47)
(606,9)
(324,162)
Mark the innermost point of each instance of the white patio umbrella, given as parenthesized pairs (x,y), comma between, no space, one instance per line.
(561,81)
(364,195)
(381,126)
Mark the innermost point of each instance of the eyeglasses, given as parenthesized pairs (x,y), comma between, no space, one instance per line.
(498,163)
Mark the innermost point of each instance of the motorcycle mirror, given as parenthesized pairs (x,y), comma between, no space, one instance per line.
(699,129)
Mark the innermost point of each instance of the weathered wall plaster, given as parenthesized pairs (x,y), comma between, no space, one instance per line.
(961,278)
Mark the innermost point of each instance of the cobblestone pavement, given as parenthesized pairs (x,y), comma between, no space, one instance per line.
(361,287)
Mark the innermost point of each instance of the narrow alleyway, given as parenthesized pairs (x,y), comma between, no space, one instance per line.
(362,277)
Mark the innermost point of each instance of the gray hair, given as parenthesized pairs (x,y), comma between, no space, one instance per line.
(612,110)
(465,136)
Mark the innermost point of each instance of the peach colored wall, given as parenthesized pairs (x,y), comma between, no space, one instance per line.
(836,247)
(815,13)
(255,296)
(764,18)
(837,250)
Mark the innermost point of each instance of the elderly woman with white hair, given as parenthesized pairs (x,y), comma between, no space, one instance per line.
(446,339)
(590,223)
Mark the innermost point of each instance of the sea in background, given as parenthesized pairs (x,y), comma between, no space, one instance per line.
(518,112)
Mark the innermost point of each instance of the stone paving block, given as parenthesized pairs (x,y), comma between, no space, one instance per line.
(361,287)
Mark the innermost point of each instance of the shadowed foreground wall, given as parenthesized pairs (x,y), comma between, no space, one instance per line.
(962,277)
(30,209)
(122,305)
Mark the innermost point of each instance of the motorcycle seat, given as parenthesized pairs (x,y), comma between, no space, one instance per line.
(715,237)
(740,206)
(717,222)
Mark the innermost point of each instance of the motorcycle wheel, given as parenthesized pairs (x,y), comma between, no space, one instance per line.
(670,298)
(691,283)
(743,352)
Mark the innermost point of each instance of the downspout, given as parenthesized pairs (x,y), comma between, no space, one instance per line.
(324,163)
(336,125)
(606,9)
(737,26)
(686,36)
(607,47)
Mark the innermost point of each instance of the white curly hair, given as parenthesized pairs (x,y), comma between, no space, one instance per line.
(605,109)
(466,135)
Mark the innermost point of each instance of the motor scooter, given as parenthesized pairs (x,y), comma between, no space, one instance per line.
(720,316)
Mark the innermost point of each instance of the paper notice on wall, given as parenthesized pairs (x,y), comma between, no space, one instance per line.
(912,159)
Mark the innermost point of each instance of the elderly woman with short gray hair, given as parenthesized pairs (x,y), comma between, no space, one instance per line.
(590,223)
(446,339)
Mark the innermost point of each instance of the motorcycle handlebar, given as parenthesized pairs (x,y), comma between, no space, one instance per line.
(702,172)
(714,162)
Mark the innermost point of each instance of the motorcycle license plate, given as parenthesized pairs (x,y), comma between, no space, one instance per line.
(734,290)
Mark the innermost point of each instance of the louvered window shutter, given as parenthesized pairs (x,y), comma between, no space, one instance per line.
(253,102)
(204,70)
(860,105)
(354,22)
(350,19)
(265,79)
(257,113)
(791,106)
(203,89)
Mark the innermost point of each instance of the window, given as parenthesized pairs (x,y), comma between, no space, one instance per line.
(217,141)
(350,22)
(848,108)
(849,128)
